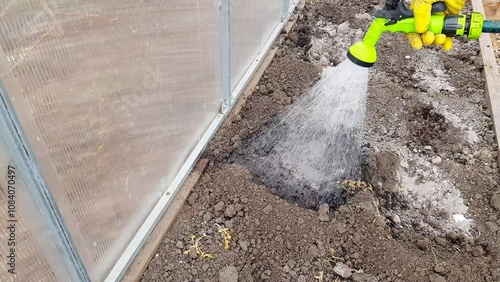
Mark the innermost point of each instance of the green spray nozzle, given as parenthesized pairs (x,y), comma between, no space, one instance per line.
(401,20)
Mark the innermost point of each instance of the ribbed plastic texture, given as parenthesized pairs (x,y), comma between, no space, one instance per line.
(113,96)
(491,26)
(27,250)
(251,24)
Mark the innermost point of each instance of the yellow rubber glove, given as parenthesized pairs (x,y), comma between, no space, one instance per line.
(422,12)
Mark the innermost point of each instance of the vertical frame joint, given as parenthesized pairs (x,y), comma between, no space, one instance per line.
(286,10)
(225,25)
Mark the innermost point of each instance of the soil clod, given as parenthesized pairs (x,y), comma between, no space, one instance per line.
(324,210)
(436,278)
(495,202)
(228,274)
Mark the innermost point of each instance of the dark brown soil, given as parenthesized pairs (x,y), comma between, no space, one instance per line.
(427,128)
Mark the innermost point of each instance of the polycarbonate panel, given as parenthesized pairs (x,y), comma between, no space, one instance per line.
(113,96)
(252,22)
(27,247)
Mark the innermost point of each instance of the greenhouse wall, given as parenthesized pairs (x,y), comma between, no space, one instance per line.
(105,107)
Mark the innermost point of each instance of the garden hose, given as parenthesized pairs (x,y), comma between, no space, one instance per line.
(398,18)
(491,26)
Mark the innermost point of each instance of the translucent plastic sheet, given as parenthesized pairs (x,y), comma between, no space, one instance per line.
(27,250)
(251,24)
(113,96)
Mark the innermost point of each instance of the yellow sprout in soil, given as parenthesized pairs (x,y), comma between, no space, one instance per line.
(196,246)
(351,186)
(332,257)
(320,276)
(225,234)
(332,254)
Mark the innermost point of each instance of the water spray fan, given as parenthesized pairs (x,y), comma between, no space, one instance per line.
(396,17)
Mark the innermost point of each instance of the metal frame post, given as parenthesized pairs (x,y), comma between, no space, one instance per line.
(286,10)
(225,27)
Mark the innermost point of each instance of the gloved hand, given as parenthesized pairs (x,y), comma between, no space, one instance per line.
(422,12)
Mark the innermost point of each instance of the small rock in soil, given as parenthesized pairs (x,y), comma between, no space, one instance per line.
(404,164)
(383,130)
(263,89)
(230,211)
(478,63)
(293,37)
(363,277)
(193,198)
(457,148)
(237,144)
(301,278)
(492,227)
(379,222)
(179,245)
(324,209)
(355,256)
(436,160)
(313,251)
(495,202)
(228,274)
(238,207)
(228,224)
(436,278)
(395,219)
(423,244)
(192,253)
(268,209)
(342,270)
(441,241)
(207,216)
(286,268)
(219,206)
(244,245)
(496,273)
(490,138)
(356,238)
(439,269)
